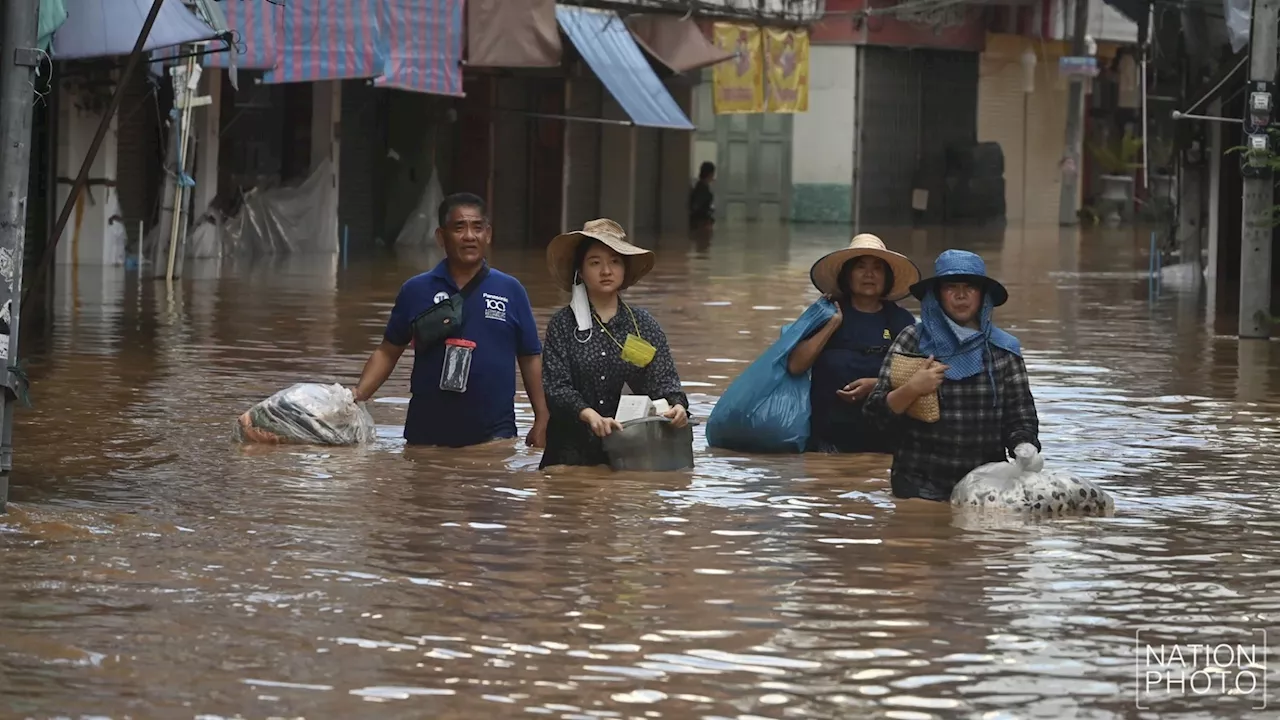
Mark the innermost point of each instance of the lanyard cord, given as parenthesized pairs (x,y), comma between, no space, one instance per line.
(634,324)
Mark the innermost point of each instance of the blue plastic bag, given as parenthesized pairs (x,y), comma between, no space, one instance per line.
(766,409)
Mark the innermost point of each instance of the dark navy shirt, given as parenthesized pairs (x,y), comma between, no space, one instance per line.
(497,317)
(856,350)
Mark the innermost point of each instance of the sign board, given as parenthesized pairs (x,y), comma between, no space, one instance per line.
(1078,66)
(940,26)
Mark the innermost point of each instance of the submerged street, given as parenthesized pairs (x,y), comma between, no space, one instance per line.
(153,568)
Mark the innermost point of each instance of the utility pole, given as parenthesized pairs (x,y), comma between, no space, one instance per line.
(1071,151)
(1259,185)
(17,70)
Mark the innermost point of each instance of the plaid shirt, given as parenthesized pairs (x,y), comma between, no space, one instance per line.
(974,428)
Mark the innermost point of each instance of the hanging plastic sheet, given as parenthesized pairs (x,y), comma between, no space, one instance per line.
(766,410)
(286,219)
(51,16)
(1238,14)
(419,230)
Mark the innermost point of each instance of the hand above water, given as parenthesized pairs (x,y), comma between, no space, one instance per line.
(600,426)
(839,316)
(1028,458)
(537,436)
(857,390)
(678,415)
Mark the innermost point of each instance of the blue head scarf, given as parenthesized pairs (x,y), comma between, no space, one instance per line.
(963,349)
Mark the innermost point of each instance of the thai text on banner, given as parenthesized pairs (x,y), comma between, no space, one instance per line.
(787,69)
(739,83)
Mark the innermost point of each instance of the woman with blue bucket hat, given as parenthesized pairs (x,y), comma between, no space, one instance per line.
(954,384)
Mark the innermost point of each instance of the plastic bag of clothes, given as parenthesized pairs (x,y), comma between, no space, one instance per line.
(307,414)
(766,409)
(1024,487)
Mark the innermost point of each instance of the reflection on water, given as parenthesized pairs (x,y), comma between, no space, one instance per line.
(154,569)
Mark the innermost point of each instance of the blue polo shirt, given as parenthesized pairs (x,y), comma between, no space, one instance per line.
(497,317)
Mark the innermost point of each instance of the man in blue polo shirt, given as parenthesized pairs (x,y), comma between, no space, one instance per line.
(451,406)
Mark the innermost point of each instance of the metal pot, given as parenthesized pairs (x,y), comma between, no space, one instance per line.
(650,444)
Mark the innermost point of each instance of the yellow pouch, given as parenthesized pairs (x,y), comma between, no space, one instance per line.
(637,351)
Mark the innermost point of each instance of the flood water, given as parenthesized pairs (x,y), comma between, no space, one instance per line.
(154,569)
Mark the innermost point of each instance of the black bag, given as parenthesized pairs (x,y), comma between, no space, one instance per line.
(444,319)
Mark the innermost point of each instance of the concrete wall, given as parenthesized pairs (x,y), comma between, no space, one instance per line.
(582,143)
(822,163)
(208,123)
(90,238)
(617,167)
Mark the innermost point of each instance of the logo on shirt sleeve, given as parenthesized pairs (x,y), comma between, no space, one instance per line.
(440,297)
(887,336)
(495,307)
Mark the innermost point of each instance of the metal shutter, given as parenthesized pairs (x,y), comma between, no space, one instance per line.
(890,117)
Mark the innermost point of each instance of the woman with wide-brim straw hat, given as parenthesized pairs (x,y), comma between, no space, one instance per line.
(599,343)
(865,281)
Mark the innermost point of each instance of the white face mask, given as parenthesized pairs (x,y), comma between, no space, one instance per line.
(580,305)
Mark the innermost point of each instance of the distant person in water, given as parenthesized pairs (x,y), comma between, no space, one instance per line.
(702,202)
(599,343)
(987,413)
(470,326)
(865,281)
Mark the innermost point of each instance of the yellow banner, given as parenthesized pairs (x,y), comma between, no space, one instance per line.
(739,83)
(787,69)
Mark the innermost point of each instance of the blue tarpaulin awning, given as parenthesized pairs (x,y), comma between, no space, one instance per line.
(606,44)
(109,28)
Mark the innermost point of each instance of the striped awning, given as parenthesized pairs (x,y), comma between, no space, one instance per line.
(424,45)
(257,25)
(413,45)
(331,40)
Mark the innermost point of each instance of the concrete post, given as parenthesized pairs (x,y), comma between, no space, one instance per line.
(1213,154)
(566,167)
(1072,164)
(677,155)
(1259,190)
(20,61)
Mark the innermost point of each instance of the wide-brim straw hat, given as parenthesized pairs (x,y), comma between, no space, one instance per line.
(561,251)
(825,273)
(962,265)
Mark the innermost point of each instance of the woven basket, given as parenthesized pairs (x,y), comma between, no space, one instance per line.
(901,368)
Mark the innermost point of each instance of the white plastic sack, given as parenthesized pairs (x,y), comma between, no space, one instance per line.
(308,414)
(1010,487)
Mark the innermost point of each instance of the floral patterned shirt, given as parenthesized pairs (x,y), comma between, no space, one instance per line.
(583,369)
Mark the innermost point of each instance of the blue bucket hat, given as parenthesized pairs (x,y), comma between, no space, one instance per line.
(961,265)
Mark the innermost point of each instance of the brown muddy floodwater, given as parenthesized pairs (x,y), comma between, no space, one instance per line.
(153,569)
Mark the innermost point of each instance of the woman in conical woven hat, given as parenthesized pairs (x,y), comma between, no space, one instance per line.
(599,343)
(864,281)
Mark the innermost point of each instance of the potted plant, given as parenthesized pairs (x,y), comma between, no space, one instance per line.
(1117,165)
